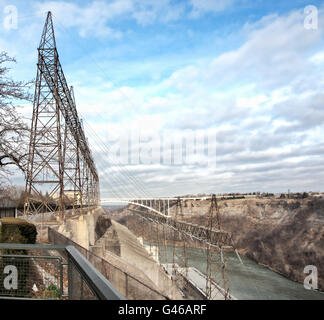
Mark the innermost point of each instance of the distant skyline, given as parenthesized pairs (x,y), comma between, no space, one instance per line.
(242,80)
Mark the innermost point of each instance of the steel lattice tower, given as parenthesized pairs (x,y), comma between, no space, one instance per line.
(61,172)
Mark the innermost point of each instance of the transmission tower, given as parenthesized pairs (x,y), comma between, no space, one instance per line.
(217,281)
(61,172)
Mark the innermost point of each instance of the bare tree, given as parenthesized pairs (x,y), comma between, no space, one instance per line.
(12,195)
(14,132)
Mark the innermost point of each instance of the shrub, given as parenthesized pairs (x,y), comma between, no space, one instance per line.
(14,230)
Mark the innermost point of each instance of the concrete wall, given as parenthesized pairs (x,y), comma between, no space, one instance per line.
(133,251)
(81,228)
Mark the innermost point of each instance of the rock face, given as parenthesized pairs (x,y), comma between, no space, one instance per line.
(102,224)
(284,235)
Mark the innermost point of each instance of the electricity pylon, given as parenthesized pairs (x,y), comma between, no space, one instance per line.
(61,172)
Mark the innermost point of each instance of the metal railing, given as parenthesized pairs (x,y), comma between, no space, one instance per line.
(41,271)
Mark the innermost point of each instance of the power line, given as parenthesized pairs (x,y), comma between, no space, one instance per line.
(106,148)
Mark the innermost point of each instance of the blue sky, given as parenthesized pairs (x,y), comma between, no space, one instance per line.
(247,72)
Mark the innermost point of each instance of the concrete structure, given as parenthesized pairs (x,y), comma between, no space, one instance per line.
(117,245)
(81,227)
(119,240)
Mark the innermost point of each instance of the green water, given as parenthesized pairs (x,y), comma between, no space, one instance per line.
(249,281)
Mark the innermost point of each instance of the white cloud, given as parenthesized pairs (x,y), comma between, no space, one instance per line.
(267,125)
(148,11)
(94,18)
(267,121)
(318,58)
(91,20)
(200,7)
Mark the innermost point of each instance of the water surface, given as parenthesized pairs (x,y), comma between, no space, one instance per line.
(247,281)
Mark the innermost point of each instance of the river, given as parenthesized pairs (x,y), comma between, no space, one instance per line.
(248,281)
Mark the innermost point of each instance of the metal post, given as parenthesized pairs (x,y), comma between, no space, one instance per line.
(61,279)
(70,285)
(126,285)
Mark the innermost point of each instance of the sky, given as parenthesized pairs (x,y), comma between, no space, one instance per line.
(187,97)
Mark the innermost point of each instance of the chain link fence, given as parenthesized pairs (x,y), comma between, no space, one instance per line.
(42,271)
(31,276)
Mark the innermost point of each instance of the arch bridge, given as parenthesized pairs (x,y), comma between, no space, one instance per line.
(158,210)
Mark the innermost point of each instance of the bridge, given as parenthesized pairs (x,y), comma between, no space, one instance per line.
(62,175)
(158,211)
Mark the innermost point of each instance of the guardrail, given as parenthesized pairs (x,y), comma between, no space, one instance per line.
(38,271)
